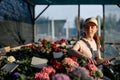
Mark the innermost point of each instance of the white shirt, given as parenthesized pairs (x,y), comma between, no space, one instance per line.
(83,48)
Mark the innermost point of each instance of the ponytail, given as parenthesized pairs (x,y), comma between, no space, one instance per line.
(96,38)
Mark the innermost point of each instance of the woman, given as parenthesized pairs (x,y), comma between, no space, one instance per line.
(88,48)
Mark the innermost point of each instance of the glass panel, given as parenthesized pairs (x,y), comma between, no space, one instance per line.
(112,25)
(60,21)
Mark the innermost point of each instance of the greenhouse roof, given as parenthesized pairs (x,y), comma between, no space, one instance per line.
(71,2)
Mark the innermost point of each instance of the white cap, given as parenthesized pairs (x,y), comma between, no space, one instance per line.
(92,20)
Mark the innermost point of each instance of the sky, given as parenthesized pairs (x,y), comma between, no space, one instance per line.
(69,12)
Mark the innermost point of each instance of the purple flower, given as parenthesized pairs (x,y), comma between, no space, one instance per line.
(81,73)
(60,76)
(16,75)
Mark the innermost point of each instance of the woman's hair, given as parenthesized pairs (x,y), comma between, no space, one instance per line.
(96,38)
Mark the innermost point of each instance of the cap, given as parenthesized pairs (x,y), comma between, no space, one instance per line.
(92,20)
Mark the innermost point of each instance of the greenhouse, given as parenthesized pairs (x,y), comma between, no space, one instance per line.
(35,39)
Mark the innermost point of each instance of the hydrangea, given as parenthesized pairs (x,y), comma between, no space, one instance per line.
(16,75)
(44,73)
(48,69)
(69,62)
(94,71)
(60,76)
(41,76)
(92,68)
(81,73)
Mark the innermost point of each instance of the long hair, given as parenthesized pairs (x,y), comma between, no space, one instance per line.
(96,38)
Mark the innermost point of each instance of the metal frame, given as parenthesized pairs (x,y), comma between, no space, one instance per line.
(72,2)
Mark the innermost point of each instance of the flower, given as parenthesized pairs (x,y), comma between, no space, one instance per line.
(64,51)
(94,71)
(56,63)
(64,68)
(80,73)
(11,59)
(45,46)
(55,47)
(60,76)
(74,58)
(48,69)
(16,75)
(69,62)
(92,68)
(62,42)
(44,73)
(41,76)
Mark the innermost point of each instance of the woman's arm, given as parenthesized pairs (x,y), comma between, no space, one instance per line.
(77,54)
(81,56)
(75,51)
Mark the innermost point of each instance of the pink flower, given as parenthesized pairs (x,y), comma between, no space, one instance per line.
(64,50)
(61,41)
(44,73)
(70,62)
(91,67)
(41,76)
(48,69)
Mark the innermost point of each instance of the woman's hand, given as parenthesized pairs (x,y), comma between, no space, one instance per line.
(102,61)
(106,62)
(90,60)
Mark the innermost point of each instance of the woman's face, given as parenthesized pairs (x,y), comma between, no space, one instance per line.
(90,29)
